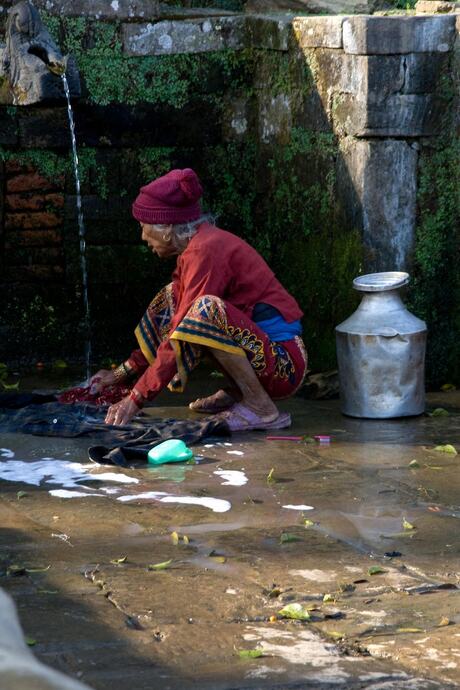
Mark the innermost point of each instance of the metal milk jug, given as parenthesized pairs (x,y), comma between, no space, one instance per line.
(381,352)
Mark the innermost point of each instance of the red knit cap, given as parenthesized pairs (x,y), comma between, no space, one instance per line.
(173,198)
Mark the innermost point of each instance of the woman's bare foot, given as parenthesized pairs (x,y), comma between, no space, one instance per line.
(218,402)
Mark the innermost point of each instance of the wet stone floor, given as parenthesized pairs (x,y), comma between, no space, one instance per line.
(363,543)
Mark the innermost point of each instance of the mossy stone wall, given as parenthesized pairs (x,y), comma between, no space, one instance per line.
(260,125)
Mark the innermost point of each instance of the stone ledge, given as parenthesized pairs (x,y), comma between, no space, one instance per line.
(398,35)
(188,36)
(125,10)
(171,12)
(319,32)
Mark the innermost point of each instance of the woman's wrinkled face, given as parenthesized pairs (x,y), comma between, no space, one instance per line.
(158,238)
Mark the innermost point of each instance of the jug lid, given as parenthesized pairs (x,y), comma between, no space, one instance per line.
(379,282)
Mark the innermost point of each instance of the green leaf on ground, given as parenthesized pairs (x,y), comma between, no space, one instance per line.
(308,523)
(328,597)
(308,439)
(160,566)
(21,494)
(59,364)
(335,635)
(448,387)
(217,557)
(119,561)
(447,448)
(40,569)
(250,653)
(16,570)
(407,525)
(217,375)
(443,622)
(10,386)
(174,538)
(30,641)
(288,538)
(414,464)
(409,630)
(376,570)
(439,412)
(295,611)
(270,477)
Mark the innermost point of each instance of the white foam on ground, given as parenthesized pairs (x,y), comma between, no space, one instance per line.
(301,507)
(235,452)
(232,477)
(69,475)
(6,453)
(301,647)
(217,505)
(65,493)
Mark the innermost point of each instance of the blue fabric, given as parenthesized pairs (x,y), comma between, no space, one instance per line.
(279,330)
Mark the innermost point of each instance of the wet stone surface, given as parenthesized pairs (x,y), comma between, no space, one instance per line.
(325,527)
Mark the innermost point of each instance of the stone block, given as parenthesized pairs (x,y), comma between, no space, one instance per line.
(34,273)
(103,10)
(176,12)
(189,36)
(399,115)
(383,175)
(32,238)
(268,33)
(30,221)
(398,35)
(44,128)
(30,182)
(318,32)
(422,71)
(435,7)
(8,127)
(321,7)
(33,202)
(275,119)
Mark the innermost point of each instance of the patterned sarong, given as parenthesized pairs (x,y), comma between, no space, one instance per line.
(213,323)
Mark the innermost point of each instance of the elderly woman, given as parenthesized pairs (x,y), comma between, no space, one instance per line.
(224,301)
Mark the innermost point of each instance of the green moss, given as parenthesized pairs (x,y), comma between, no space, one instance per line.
(54,165)
(435,295)
(154,161)
(110,76)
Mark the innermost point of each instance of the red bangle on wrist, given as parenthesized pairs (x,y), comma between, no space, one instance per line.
(136,397)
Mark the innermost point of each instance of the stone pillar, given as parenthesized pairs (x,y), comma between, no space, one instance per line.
(381,87)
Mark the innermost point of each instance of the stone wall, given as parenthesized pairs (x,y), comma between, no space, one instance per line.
(308,133)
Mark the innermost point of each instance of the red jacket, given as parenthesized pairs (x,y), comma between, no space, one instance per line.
(217,263)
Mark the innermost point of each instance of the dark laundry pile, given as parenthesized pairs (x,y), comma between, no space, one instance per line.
(36,414)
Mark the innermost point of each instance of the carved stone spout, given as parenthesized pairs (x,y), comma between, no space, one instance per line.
(32,63)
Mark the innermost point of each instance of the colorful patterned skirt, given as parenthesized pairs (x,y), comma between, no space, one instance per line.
(213,323)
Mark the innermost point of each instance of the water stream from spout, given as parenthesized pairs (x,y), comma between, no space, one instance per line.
(81,231)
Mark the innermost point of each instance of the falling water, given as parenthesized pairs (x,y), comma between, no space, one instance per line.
(81,230)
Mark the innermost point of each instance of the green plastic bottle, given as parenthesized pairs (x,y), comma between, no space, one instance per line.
(173,450)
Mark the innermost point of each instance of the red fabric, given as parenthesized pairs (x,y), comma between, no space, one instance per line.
(173,198)
(109,396)
(217,263)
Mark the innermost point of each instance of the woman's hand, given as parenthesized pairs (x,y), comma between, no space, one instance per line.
(101,380)
(122,412)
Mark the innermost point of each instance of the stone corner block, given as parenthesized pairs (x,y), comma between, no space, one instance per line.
(398,35)
(319,32)
(188,36)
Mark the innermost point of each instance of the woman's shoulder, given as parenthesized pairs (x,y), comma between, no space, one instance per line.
(213,237)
